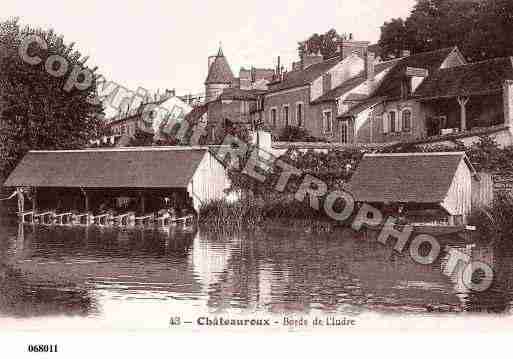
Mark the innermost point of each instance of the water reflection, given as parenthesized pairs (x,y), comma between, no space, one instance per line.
(95,271)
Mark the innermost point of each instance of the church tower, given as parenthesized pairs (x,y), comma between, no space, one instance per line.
(219,77)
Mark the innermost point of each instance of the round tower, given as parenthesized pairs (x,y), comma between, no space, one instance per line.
(219,77)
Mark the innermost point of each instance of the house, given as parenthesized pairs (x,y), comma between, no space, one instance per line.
(150,116)
(86,179)
(317,90)
(427,188)
(434,97)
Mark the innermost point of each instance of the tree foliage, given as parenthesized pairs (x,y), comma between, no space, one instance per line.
(481,29)
(297,134)
(325,44)
(37,112)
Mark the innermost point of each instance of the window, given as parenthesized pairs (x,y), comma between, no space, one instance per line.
(406,120)
(286,114)
(273,117)
(392,126)
(299,114)
(385,123)
(327,122)
(344,132)
(392,115)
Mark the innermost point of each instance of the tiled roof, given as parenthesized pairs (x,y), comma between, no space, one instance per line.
(238,94)
(120,168)
(196,113)
(453,137)
(391,85)
(299,78)
(471,79)
(220,71)
(348,85)
(356,109)
(354,82)
(405,177)
(356,97)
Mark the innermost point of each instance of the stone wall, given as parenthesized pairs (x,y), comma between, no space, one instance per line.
(502,183)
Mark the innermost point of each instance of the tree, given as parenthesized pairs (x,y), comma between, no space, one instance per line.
(480,28)
(326,44)
(40,110)
(491,36)
(393,38)
(141,138)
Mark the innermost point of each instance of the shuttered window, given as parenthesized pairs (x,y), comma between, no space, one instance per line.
(406,120)
(393,121)
(344,132)
(286,115)
(327,122)
(299,114)
(385,123)
(273,117)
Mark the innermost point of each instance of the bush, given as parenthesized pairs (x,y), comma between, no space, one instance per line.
(256,210)
(496,221)
(297,134)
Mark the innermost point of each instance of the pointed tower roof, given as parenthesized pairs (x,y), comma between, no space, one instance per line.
(220,71)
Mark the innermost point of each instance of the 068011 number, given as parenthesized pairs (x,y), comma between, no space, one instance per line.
(42,348)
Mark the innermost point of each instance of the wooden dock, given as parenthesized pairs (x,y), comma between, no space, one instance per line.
(51,218)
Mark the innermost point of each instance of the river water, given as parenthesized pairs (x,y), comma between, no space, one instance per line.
(78,277)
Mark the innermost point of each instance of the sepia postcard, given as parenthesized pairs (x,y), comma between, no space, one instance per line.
(253,167)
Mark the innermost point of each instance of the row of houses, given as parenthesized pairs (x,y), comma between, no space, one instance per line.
(355,98)
(351,98)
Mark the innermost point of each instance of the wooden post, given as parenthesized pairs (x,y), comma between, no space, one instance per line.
(21,203)
(34,204)
(86,200)
(34,200)
(142,202)
(463,112)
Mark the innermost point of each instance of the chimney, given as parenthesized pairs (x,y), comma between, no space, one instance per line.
(349,47)
(370,61)
(245,78)
(308,60)
(170,93)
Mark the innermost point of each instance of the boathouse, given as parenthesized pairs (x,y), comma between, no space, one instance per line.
(422,188)
(146,178)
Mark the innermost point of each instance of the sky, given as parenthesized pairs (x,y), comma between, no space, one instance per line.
(157,44)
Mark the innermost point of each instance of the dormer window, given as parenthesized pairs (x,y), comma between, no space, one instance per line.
(414,77)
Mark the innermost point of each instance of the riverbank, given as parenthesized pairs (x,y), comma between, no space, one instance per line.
(300,218)
(264,212)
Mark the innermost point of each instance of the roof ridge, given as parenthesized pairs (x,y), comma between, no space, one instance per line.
(480,62)
(359,77)
(128,149)
(391,60)
(402,154)
(432,51)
